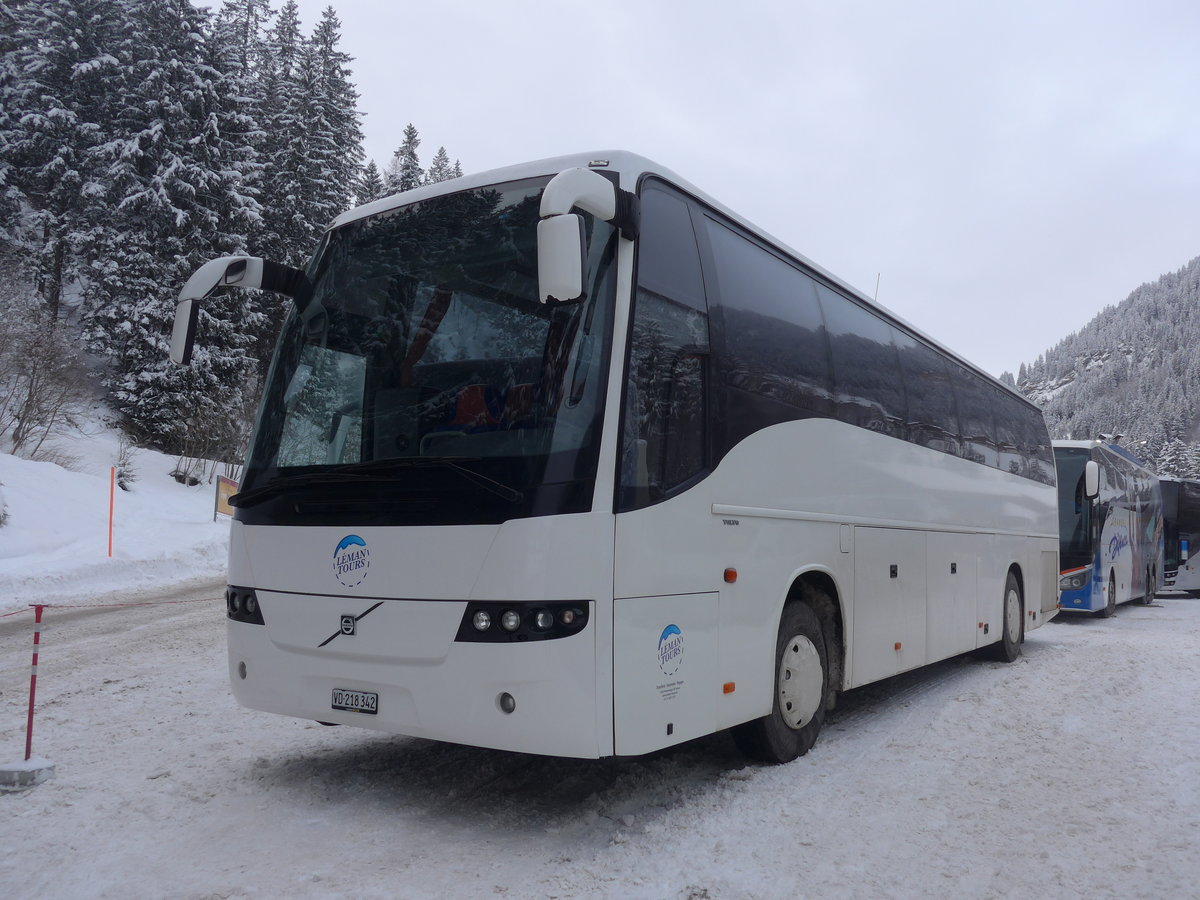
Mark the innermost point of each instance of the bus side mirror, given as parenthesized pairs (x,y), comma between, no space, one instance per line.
(1091,479)
(561,253)
(232,271)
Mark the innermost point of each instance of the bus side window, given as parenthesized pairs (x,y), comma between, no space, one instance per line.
(866,368)
(932,413)
(976,417)
(773,351)
(664,439)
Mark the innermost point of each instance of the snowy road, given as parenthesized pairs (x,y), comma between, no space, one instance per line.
(1074,772)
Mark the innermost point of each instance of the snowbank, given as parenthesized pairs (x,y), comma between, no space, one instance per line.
(54,545)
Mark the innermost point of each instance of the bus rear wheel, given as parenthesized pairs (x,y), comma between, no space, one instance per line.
(1008,648)
(801,684)
(1148,597)
(1110,605)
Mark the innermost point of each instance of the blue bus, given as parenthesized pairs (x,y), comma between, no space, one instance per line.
(1110,518)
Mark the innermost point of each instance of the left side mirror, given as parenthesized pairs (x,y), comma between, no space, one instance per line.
(231,271)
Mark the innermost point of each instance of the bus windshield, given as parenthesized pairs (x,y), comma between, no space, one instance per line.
(418,380)
(1074,509)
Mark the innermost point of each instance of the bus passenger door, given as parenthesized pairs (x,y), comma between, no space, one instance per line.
(889,602)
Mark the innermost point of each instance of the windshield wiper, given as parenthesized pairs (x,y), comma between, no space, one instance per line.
(370,472)
(447,462)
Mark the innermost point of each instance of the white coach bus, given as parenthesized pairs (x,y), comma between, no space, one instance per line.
(567,458)
(1181,534)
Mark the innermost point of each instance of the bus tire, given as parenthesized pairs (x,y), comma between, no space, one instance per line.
(801,683)
(1110,605)
(1148,597)
(1008,648)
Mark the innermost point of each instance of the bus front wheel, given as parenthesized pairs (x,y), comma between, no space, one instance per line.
(801,683)
(1110,605)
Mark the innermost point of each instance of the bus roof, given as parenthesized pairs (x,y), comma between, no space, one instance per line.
(1103,445)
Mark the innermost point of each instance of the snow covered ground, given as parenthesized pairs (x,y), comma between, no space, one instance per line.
(1074,772)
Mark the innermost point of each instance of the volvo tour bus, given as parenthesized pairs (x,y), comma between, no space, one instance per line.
(567,458)
(1110,520)
(1181,534)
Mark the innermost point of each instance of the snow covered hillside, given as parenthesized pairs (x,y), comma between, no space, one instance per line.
(54,544)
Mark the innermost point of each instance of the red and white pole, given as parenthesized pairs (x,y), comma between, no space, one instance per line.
(37,639)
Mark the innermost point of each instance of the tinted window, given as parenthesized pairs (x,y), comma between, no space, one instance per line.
(932,413)
(664,438)
(976,402)
(775,353)
(867,382)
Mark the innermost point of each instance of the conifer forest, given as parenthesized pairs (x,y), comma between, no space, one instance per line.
(139,139)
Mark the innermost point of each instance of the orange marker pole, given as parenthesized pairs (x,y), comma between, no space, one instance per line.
(112,493)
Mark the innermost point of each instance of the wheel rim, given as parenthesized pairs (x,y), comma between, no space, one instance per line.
(1112,593)
(1012,614)
(800,682)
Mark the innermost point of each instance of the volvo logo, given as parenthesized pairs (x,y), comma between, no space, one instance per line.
(348,625)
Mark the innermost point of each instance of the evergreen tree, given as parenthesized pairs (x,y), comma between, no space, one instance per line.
(287,236)
(176,200)
(62,71)
(337,101)
(404,171)
(243,23)
(370,185)
(440,169)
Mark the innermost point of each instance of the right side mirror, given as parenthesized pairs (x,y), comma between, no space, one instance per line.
(1091,479)
(561,252)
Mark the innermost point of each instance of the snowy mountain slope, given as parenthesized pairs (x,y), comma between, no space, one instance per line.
(1134,369)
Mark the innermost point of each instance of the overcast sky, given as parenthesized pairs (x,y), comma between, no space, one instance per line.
(1004,169)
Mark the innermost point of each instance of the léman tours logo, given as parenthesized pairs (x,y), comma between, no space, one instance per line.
(670,650)
(351,560)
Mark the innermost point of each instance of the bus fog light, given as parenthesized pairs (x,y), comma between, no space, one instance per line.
(482,620)
(235,602)
(544,619)
(251,604)
(567,617)
(510,621)
(507,703)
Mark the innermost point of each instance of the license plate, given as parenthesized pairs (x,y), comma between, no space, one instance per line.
(356,701)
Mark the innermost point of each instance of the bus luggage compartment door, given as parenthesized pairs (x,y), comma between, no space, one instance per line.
(665,681)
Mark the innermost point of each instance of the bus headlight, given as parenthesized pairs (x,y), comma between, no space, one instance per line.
(520,621)
(1075,579)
